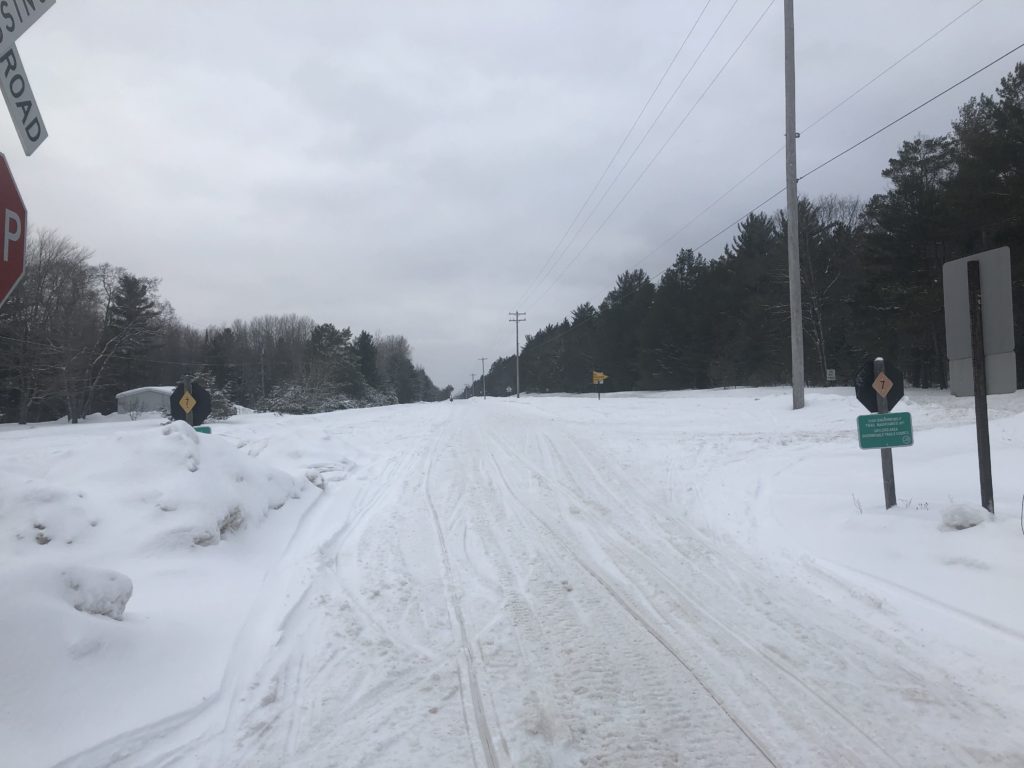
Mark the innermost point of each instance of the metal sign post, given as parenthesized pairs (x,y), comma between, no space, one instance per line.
(980,341)
(980,385)
(882,385)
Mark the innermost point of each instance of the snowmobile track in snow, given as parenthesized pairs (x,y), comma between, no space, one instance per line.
(467,665)
(639,619)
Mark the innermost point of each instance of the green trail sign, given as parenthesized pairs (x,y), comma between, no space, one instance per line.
(885,430)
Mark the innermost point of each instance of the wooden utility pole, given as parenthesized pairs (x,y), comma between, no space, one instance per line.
(517,317)
(796,325)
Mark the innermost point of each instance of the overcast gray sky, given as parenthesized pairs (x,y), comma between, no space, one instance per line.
(409,167)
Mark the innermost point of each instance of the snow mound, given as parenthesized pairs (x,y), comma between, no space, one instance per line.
(957,517)
(88,494)
(97,591)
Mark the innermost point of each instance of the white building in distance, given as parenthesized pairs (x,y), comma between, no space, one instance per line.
(145,399)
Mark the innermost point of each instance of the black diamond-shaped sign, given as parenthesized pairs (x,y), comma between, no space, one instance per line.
(201,409)
(864,385)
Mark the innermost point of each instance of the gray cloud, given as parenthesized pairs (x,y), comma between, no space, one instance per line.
(409,166)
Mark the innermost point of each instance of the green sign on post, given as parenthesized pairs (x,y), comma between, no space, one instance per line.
(885,430)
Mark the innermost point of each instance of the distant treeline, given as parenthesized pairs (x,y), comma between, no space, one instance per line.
(74,334)
(871,279)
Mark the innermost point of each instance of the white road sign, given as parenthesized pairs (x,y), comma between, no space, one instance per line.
(21,102)
(16,16)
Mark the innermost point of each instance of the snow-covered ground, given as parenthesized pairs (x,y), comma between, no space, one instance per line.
(692,578)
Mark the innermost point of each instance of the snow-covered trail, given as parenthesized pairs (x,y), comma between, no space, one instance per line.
(488,585)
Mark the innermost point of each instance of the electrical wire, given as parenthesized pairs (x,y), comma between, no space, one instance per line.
(836,156)
(904,116)
(849,97)
(828,113)
(643,138)
(611,161)
(657,154)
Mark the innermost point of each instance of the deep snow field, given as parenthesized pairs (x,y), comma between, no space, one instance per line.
(655,579)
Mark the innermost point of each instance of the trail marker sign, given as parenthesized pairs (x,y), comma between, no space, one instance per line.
(187,402)
(869,385)
(15,227)
(882,385)
(885,430)
(190,403)
(879,387)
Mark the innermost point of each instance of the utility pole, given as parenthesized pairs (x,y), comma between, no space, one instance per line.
(483,376)
(517,317)
(263,378)
(796,324)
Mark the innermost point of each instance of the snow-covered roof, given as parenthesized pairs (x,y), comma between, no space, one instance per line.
(142,390)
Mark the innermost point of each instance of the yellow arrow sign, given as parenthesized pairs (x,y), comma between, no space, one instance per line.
(187,402)
(599,377)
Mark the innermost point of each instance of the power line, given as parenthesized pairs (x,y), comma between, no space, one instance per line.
(842,102)
(919,107)
(859,143)
(658,153)
(636,148)
(849,97)
(611,161)
(836,156)
(896,63)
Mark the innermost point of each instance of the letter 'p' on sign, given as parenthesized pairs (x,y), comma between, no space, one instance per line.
(12,232)
(15,223)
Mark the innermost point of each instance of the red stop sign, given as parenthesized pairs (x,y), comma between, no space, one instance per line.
(14,223)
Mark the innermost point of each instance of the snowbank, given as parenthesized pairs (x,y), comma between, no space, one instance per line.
(130,554)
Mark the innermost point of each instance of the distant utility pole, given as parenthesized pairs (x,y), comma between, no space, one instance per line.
(517,317)
(796,325)
(483,376)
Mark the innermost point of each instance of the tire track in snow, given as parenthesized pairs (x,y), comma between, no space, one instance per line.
(468,661)
(263,704)
(630,552)
(841,738)
(647,626)
(582,683)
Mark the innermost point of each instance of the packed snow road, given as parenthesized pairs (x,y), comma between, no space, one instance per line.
(542,583)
